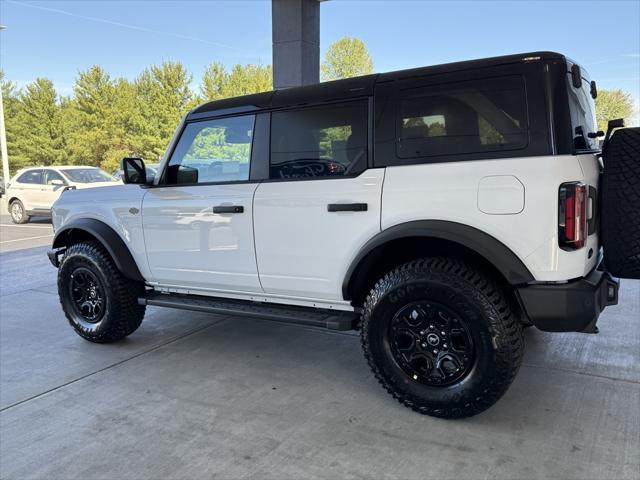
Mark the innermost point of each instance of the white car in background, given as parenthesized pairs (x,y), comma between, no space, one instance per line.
(32,191)
(151,169)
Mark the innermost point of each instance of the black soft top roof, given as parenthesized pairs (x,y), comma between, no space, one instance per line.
(351,87)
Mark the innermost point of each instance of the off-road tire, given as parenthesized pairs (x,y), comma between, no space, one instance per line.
(18,206)
(492,317)
(121,315)
(620,214)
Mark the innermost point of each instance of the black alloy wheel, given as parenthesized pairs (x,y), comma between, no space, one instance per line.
(88,295)
(443,336)
(431,343)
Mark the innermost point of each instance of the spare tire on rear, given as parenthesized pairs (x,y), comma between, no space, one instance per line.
(620,213)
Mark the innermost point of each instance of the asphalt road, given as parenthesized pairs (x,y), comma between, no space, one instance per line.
(38,232)
(191,395)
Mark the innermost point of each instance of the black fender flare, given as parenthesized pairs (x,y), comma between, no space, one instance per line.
(488,247)
(108,237)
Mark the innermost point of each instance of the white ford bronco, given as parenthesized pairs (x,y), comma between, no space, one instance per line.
(439,210)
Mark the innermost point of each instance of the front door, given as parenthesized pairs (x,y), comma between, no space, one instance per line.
(321,203)
(49,192)
(198,225)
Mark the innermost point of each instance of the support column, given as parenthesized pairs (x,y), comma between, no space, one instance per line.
(296,42)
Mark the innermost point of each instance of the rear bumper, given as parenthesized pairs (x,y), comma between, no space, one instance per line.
(569,307)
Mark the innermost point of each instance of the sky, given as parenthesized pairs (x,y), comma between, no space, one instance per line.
(57,39)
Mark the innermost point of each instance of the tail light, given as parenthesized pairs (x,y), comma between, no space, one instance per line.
(572,216)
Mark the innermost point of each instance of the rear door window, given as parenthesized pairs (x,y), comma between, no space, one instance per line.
(327,141)
(33,177)
(463,117)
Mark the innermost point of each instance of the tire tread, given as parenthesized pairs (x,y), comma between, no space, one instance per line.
(126,314)
(620,213)
(506,325)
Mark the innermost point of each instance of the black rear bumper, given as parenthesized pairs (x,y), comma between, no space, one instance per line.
(569,307)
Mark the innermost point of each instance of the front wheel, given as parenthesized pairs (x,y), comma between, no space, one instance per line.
(442,337)
(100,303)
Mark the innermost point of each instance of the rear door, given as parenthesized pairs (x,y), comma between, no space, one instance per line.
(321,202)
(198,221)
(30,186)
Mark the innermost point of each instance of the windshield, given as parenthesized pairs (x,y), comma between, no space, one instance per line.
(87,175)
(583,117)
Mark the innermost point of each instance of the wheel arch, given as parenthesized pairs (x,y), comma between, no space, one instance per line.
(401,243)
(91,229)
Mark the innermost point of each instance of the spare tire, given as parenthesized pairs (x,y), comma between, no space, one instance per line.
(620,213)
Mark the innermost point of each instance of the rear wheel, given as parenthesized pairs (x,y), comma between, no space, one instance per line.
(18,213)
(442,337)
(100,303)
(620,218)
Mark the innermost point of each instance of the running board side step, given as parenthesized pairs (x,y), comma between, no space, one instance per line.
(330,319)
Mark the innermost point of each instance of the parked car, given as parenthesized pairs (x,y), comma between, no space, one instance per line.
(32,191)
(438,210)
(152,169)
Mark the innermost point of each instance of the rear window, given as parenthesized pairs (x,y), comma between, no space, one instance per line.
(463,117)
(583,115)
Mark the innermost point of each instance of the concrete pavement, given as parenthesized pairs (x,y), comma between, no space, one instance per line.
(191,395)
(36,233)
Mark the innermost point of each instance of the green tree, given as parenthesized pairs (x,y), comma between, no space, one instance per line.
(247,79)
(89,117)
(214,82)
(217,83)
(11,105)
(163,97)
(345,58)
(612,104)
(35,127)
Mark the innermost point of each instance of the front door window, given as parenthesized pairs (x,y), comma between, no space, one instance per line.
(212,151)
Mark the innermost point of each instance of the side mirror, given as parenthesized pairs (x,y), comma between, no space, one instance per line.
(133,171)
(56,183)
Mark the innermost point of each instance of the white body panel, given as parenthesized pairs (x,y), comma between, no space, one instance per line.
(111,205)
(287,248)
(28,194)
(303,249)
(450,192)
(188,245)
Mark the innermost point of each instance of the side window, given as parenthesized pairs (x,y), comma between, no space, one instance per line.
(463,117)
(50,175)
(319,141)
(212,151)
(31,177)
(583,118)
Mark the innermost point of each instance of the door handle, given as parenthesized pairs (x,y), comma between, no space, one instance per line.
(228,209)
(347,207)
